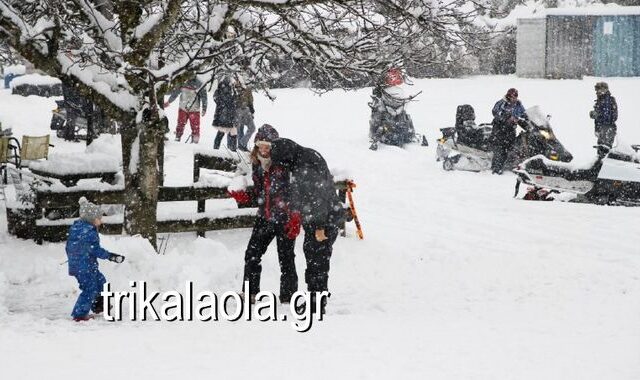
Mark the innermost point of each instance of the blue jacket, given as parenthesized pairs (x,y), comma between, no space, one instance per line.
(503,110)
(83,248)
(606,110)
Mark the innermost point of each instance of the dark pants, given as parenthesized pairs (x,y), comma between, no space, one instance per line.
(502,145)
(318,255)
(262,235)
(232,141)
(606,134)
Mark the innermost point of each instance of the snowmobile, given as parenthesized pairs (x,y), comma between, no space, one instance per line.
(469,146)
(612,178)
(390,124)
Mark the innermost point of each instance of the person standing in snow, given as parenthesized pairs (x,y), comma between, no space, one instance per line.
(77,107)
(506,113)
(275,217)
(604,115)
(193,96)
(83,249)
(224,120)
(244,115)
(313,195)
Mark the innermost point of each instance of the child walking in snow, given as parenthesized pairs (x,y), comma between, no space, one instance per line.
(83,249)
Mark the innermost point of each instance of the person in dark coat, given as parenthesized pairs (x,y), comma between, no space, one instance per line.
(224,119)
(314,196)
(604,115)
(76,106)
(275,217)
(506,113)
(83,249)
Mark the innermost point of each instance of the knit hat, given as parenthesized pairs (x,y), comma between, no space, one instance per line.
(266,135)
(602,86)
(89,211)
(512,92)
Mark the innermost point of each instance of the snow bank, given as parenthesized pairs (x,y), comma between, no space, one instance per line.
(179,264)
(103,155)
(35,80)
(15,70)
(107,144)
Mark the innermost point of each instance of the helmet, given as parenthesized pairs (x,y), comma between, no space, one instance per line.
(393,77)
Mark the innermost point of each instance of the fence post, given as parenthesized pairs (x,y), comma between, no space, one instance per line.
(196,178)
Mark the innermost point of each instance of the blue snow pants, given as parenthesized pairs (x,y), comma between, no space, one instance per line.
(90,287)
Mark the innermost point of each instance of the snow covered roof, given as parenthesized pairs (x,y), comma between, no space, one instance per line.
(595,10)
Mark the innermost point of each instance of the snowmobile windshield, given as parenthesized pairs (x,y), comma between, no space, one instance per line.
(538,117)
(394,97)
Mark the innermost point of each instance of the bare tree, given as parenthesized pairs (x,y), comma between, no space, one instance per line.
(124,55)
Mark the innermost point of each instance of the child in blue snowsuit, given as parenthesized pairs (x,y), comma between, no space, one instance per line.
(83,249)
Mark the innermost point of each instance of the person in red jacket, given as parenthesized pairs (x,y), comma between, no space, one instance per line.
(275,219)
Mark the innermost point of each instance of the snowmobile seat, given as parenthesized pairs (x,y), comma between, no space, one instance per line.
(539,167)
(448,133)
(622,157)
(465,113)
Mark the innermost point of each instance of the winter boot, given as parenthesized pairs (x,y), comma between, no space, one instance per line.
(252,298)
(302,308)
(84,318)
(97,307)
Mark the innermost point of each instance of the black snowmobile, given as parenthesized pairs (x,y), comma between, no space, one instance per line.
(390,124)
(613,178)
(469,147)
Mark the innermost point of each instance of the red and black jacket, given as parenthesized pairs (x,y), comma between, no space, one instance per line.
(271,193)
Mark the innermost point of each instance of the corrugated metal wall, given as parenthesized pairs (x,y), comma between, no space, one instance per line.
(531,43)
(569,46)
(616,46)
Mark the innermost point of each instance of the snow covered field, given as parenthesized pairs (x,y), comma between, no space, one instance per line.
(455,279)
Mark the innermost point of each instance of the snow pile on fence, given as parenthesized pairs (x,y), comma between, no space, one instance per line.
(74,163)
(35,80)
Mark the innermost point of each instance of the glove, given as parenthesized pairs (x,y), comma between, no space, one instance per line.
(593,114)
(292,228)
(241,197)
(116,258)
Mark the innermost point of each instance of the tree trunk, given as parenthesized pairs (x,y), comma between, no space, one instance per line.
(140,164)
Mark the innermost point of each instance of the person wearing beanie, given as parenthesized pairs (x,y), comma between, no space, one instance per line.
(83,249)
(193,98)
(506,113)
(604,115)
(314,196)
(276,219)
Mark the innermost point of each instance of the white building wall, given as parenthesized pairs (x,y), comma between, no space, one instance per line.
(531,47)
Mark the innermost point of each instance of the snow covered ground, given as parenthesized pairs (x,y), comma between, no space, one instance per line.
(455,279)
